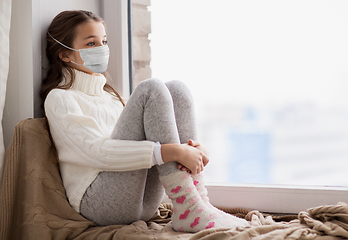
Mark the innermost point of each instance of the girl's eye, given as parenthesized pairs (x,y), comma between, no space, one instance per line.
(91,44)
(105,42)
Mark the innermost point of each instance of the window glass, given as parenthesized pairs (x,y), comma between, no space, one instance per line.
(270,83)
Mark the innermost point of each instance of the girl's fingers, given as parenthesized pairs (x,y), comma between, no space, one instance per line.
(183,168)
(180,166)
(205,160)
(193,143)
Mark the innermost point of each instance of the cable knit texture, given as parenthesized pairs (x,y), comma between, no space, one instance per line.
(81,120)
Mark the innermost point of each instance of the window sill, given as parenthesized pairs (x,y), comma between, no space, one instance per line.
(275,198)
(284,199)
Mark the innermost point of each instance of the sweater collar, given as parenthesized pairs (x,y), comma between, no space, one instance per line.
(89,84)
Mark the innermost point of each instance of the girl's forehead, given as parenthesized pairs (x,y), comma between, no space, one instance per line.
(90,28)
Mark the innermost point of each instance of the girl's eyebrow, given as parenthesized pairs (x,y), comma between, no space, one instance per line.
(92,36)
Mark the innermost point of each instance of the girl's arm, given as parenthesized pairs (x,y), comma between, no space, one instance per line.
(81,140)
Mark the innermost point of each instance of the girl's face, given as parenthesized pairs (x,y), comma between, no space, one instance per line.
(88,35)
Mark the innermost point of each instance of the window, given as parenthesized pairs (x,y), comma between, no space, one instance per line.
(269,80)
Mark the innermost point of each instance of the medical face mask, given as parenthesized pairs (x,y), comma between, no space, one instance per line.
(95,59)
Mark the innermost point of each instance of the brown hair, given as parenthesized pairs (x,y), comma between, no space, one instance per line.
(63,28)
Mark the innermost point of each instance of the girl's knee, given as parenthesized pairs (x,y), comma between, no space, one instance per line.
(155,88)
(174,89)
(179,90)
(151,83)
(176,84)
(173,85)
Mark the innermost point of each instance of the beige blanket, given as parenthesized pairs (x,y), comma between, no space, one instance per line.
(33,205)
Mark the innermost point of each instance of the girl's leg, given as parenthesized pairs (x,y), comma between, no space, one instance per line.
(125,197)
(186,124)
(192,211)
(114,198)
(183,110)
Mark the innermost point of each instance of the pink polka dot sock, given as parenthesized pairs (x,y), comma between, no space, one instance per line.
(190,212)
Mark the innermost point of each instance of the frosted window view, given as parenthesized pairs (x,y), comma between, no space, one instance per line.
(270,83)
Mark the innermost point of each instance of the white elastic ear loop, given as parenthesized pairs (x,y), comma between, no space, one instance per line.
(62,43)
(65,47)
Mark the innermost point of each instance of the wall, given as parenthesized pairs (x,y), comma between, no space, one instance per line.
(141,28)
(29,22)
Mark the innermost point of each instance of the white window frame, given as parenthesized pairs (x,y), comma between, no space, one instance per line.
(266,198)
(116,18)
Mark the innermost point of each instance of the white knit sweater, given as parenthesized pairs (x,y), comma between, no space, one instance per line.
(81,120)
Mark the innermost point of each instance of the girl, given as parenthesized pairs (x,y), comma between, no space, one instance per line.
(115,158)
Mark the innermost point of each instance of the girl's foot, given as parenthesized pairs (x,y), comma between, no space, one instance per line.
(190,212)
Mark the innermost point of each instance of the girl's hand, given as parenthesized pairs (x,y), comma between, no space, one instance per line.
(202,149)
(188,156)
(192,160)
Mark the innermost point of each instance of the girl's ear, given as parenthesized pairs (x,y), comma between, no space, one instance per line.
(64,56)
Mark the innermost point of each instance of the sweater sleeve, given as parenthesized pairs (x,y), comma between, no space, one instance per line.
(80,140)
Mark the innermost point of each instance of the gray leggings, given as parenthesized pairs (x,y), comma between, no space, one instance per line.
(155,112)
